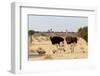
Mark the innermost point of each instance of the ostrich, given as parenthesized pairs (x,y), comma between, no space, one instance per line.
(56,40)
(71,40)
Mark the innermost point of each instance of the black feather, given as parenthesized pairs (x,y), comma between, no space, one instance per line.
(56,39)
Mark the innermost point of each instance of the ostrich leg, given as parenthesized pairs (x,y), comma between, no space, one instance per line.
(72,48)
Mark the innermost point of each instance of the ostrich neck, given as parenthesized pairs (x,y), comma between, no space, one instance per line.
(50,37)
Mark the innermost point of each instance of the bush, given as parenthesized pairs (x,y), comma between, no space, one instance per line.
(31,32)
(83,32)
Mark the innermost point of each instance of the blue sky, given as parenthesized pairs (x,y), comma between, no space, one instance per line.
(57,23)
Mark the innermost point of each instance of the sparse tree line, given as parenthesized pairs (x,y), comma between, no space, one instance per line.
(82,32)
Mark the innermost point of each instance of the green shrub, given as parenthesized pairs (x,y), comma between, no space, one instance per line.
(83,32)
(31,32)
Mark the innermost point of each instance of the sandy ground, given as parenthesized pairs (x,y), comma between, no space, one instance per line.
(52,52)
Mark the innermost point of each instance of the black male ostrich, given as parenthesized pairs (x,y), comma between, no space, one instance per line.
(72,41)
(56,40)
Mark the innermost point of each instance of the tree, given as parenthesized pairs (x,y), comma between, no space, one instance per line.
(83,32)
(30,33)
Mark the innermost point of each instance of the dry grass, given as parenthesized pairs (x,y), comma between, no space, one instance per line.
(52,52)
(48,57)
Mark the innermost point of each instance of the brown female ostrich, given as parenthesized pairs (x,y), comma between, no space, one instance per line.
(71,40)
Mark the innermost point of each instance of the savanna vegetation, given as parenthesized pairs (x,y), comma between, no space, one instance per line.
(41,47)
(83,32)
